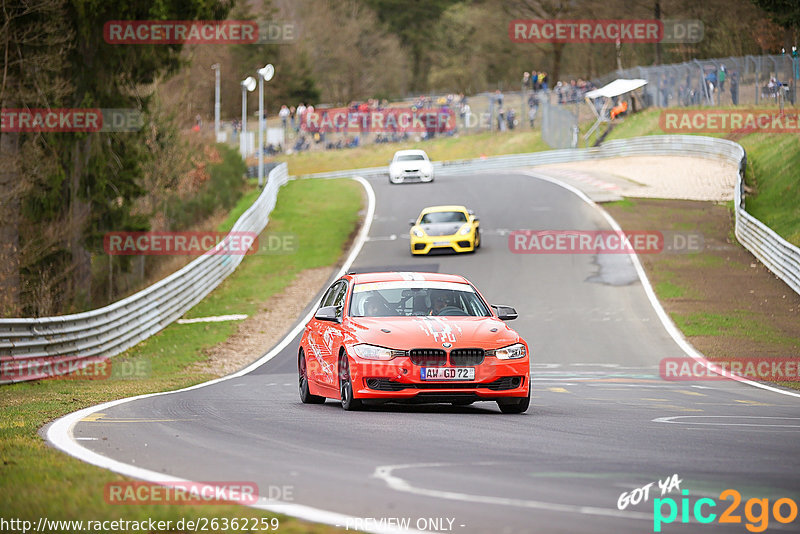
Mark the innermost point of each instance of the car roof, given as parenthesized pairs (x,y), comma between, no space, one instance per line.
(410,151)
(435,209)
(398,276)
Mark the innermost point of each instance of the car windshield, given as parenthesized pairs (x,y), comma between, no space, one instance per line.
(443,217)
(404,299)
(411,157)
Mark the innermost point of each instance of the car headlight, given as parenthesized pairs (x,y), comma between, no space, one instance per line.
(373,352)
(512,352)
(418,232)
(465,229)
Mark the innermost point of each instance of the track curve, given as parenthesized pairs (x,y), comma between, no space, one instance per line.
(601,421)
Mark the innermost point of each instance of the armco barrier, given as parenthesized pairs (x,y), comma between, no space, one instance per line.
(50,345)
(780,256)
(110,330)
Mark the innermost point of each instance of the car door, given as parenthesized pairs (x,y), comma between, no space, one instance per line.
(319,370)
(324,339)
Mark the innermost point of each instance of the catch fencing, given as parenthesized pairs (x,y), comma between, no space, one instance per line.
(110,330)
(780,256)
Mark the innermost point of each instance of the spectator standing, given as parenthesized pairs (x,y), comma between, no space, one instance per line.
(735,88)
(301,109)
(292,115)
(284,115)
(511,118)
(533,107)
(498,97)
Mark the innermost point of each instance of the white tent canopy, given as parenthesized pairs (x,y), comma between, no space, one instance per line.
(616,88)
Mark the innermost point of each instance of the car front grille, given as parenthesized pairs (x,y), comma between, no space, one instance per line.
(501,384)
(462,357)
(428,357)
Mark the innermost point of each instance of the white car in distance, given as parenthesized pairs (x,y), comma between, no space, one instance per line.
(410,166)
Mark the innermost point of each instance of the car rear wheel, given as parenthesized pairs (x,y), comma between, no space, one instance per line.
(346,386)
(477,238)
(515,405)
(305,395)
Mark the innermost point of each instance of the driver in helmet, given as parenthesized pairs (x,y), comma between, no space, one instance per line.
(440,299)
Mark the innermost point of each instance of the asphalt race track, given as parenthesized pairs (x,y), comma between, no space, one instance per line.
(601,421)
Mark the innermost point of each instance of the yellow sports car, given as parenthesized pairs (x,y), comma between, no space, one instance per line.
(445,227)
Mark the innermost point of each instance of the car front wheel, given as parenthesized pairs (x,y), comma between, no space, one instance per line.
(346,386)
(518,405)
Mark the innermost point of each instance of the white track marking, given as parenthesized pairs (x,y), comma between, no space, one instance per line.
(386,473)
(672,330)
(738,417)
(215,319)
(59,434)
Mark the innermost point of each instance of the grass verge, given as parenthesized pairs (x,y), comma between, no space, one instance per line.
(727,306)
(441,149)
(38,481)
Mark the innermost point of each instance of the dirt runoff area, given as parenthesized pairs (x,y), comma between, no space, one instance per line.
(259,332)
(728,305)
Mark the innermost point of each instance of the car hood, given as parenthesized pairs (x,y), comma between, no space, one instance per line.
(406,333)
(441,228)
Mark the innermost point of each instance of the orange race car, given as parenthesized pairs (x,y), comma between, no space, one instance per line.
(412,337)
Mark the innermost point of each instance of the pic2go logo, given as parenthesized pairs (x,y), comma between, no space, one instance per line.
(702,514)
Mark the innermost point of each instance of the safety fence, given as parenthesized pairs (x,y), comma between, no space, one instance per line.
(51,344)
(780,256)
(47,346)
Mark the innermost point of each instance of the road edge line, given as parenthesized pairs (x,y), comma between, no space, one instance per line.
(59,432)
(668,324)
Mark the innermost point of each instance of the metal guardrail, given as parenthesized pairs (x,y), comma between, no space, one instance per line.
(780,256)
(47,346)
(98,334)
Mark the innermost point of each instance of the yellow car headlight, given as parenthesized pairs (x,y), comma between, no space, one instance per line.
(465,229)
(418,232)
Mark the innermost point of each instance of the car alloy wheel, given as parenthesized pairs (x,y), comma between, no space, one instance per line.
(346,386)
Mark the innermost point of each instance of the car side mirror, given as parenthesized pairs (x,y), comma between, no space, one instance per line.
(326,313)
(505,313)
(411,222)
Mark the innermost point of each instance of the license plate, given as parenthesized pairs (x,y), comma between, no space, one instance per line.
(447,373)
(442,243)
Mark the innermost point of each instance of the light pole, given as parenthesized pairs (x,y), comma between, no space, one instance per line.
(215,66)
(248,84)
(264,74)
